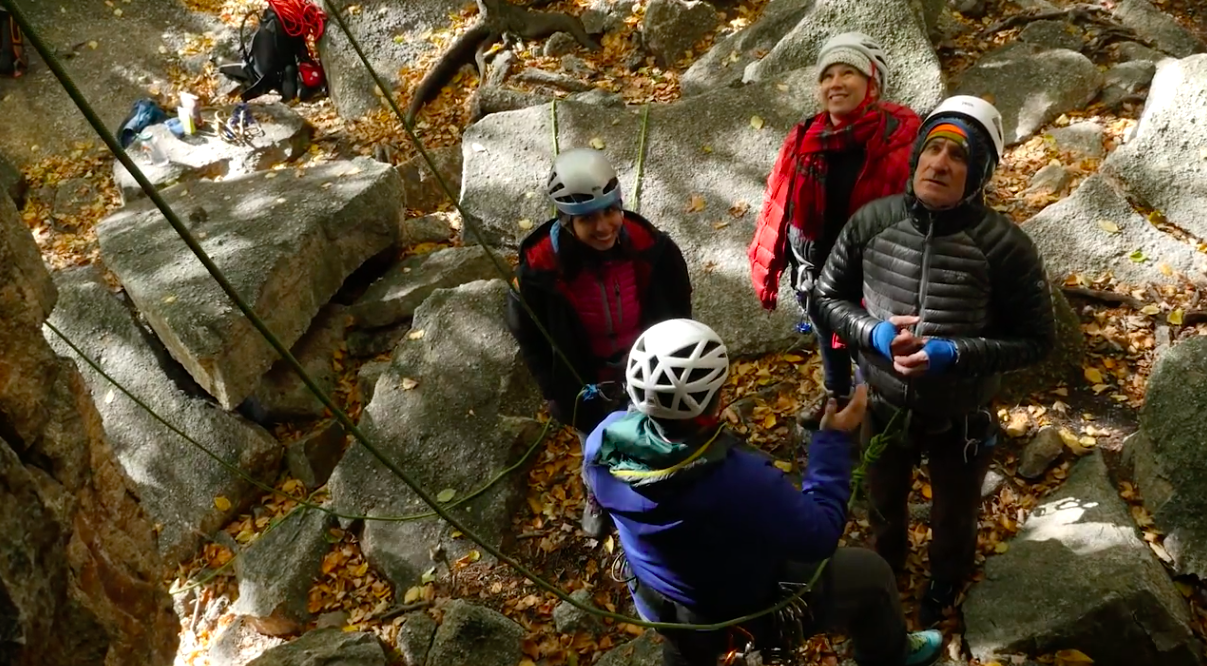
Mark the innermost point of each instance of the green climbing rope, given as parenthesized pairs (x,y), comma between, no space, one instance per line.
(645,123)
(235,469)
(194,246)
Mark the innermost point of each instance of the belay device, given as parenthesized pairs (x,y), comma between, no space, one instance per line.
(279,57)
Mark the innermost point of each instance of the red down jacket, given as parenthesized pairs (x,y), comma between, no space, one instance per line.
(886,170)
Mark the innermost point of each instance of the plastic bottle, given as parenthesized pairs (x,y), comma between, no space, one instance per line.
(148,149)
(188,112)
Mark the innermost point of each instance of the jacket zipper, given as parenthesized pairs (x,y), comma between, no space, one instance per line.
(923,287)
(603,292)
(619,313)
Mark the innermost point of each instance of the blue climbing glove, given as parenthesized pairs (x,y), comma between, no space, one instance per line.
(591,391)
(882,339)
(940,354)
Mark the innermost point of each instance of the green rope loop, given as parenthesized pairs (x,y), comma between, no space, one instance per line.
(194,246)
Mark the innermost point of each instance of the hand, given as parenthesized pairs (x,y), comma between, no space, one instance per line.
(851,416)
(935,356)
(906,342)
(893,338)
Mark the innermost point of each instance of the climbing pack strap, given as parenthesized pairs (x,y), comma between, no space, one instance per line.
(13,59)
(279,55)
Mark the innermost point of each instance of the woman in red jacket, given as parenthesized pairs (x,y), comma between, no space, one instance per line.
(855,151)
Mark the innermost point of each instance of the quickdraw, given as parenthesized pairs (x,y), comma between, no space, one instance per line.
(240,128)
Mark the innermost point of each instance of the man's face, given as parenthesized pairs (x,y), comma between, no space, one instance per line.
(941,174)
(600,229)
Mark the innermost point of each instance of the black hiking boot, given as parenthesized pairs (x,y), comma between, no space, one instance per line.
(939,596)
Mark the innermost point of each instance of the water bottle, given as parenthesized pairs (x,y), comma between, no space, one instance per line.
(148,149)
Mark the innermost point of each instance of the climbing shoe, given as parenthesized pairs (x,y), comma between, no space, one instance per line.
(810,417)
(939,596)
(925,647)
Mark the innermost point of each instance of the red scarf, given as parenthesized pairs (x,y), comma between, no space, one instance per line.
(871,131)
(885,131)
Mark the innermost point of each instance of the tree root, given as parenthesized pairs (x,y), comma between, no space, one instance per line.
(1107,29)
(1111,297)
(498,19)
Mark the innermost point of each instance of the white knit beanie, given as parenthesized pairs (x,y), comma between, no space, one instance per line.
(846,56)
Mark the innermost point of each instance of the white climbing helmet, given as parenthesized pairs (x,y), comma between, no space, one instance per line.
(865,46)
(675,369)
(582,181)
(978,110)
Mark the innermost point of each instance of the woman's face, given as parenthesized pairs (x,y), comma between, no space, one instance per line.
(842,89)
(600,229)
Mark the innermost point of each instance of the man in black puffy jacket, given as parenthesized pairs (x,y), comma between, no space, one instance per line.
(939,295)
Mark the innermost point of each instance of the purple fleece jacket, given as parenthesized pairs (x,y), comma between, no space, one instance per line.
(715,542)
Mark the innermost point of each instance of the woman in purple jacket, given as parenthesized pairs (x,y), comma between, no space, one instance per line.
(710,529)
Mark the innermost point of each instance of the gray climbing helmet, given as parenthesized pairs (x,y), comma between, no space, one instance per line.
(582,182)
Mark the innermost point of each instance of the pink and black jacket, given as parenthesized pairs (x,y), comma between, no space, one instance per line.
(594,305)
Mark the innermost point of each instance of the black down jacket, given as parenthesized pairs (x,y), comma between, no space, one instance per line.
(971,274)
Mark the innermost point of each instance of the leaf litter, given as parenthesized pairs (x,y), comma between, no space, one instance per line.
(1122,342)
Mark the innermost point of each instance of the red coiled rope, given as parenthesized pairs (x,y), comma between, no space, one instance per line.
(300,17)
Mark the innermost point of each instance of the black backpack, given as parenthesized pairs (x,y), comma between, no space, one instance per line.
(276,61)
(13,60)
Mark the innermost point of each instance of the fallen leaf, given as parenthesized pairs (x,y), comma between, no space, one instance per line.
(222,504)
(1137,256)
(525,224)
(1175,317)
(720,224)
(609,544)
(597,143)
(1165,269)
(470,557)
(415,334)
(446,495)
(408,383)
(1150,309)
(1108,226)
(1073,657)
(926,491)
(1093,375)
(756,122)
(707,148)
(739,209)
(695,204)
(412,595)
(784,466)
